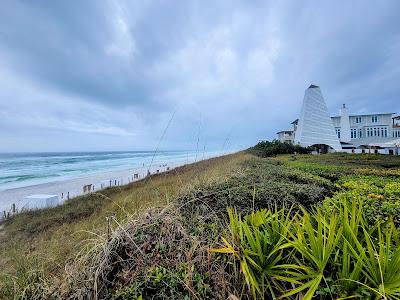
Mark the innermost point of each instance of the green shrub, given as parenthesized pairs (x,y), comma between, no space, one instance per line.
(336,255)
(379,195)
(267,148)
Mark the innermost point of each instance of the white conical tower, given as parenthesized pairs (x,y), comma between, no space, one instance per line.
(344,125)
(315,125)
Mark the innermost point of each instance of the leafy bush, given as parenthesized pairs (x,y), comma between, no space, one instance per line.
(379,195)
(267,148)
(336,255)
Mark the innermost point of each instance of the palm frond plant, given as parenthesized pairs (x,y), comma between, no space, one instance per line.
(380,261)
(259,243)
(315,238)
(345,265)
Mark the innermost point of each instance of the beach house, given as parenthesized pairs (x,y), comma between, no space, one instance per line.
(354,133)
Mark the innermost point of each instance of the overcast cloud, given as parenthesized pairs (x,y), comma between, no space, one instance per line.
(109,75)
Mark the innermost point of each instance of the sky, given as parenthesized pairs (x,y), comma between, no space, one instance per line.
(140,75)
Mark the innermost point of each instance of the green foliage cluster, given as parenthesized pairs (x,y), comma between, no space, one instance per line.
(260,183)
(372,179)
(267,148)
(166,284)
(380,196)
(336,165)
(335,255)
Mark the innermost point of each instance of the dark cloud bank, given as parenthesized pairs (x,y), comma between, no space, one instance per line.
(98,75)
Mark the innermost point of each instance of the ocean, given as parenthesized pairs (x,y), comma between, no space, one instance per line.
(26,169)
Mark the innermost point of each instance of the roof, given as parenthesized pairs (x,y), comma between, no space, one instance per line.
(369,114)
(285,131)
(312,86)
(295,121)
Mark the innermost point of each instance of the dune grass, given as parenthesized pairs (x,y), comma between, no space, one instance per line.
(46,240)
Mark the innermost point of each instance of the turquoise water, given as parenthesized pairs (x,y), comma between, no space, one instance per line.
(24,169)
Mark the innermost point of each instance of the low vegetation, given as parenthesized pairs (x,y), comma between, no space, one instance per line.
(267,148)
(328,255)
(240,226)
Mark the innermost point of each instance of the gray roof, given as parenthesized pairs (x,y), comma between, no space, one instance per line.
(369,114)
(285,131)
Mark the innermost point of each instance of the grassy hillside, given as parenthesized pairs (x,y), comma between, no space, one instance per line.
(152,239)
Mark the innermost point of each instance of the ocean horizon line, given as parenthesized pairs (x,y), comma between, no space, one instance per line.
(104,151)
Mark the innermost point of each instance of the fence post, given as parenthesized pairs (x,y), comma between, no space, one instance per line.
(108,228)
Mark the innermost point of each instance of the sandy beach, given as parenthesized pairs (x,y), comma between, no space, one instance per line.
(74,187)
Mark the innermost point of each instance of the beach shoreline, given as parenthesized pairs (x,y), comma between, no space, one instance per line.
(14,199)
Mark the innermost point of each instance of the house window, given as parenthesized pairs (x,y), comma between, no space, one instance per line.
(374,119)
(368,132)
(353,133)
(359,133)
(358,120)
(338,132)
(374,132)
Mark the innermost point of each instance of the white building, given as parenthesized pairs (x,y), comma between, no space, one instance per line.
(357,133)
(285,135)
(314,127)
